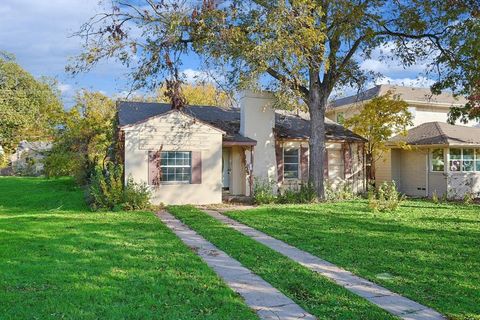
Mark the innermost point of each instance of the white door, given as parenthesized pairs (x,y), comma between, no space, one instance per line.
(226,170)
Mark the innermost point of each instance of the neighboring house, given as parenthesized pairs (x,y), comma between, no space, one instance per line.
(201,153)
(444,159)
(27,159)
(420,172)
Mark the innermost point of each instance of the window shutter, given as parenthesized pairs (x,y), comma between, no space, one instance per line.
(279,156)
(325,164)
(153,170)
(347,159)
(304,163)
(196,167)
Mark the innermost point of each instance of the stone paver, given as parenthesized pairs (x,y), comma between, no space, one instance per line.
(268,302)
(394,303)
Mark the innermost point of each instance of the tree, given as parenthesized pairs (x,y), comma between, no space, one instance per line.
(307,48)
(205,94)
(29,108)
(85,137)
(378,121)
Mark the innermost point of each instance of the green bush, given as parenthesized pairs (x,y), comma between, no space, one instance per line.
(306,194)
(106,191)
(343,191)
(385,198)
(263,192)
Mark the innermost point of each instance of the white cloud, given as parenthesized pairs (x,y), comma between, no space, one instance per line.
(64,88)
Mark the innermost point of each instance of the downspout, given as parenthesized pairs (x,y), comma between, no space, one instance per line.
(250,176)
(427,174)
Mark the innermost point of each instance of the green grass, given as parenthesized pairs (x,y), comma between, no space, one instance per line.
(429,253)
(60,261)
(314,293)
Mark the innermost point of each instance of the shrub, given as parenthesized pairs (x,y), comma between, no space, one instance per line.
(306,194)
(386,198)
(106,190)
(343,191)
(263,192)
(435,198)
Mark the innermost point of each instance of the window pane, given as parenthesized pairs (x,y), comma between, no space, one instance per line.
(455,154)
(455,165)
(291,174)
(477,166)
(290,167)
(468,154)
(438,162)
(468,165)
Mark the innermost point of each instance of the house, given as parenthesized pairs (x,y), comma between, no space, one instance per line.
(27,158)
(441,158)
(201,153)
(444,159)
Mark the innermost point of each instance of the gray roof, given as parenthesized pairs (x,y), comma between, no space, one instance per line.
(228,120)
(411,94)
(440,133)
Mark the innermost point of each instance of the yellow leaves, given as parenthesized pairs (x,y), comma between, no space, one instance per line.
(199,94)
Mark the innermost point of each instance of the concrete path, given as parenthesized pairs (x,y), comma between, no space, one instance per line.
(268,302)
(382,297)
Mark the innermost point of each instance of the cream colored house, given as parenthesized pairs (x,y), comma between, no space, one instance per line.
(204,154)
(443,159)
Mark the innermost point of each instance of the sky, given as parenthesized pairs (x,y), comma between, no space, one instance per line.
(39,34)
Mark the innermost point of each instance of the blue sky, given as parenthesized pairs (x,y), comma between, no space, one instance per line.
(38,33)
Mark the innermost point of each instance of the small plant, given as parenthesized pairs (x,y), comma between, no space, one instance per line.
(386,198)
(469,198)
(106,190)
(263,192)
(435,198)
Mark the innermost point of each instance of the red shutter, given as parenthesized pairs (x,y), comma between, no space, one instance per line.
(347,159)
(304,163)
(153,168)
(196,167)
(325,164)
(279,156)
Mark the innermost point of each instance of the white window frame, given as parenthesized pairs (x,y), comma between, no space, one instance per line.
(476,157)
(290,163)
(174,166)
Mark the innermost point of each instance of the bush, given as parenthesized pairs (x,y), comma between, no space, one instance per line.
(343,191)
(263,192)
(386,198)
(306,194)
(106,191)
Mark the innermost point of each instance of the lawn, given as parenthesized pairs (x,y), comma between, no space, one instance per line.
(316,294)
(427,252)
(58,260)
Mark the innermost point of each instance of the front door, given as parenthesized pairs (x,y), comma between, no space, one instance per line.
(226,170)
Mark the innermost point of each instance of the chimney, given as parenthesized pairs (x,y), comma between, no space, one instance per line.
(257,121)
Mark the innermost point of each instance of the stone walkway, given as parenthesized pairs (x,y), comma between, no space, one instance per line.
(268,302)
(394,303)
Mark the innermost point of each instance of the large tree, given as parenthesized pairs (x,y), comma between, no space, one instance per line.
(378,120)
(306,47)
(85,137)
(30,108)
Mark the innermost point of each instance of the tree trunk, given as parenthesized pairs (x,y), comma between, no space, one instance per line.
(317,104)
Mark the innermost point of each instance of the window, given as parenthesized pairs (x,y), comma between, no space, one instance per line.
(340,117)
(438,160)
(176,166)
(290,163)
(466,160)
